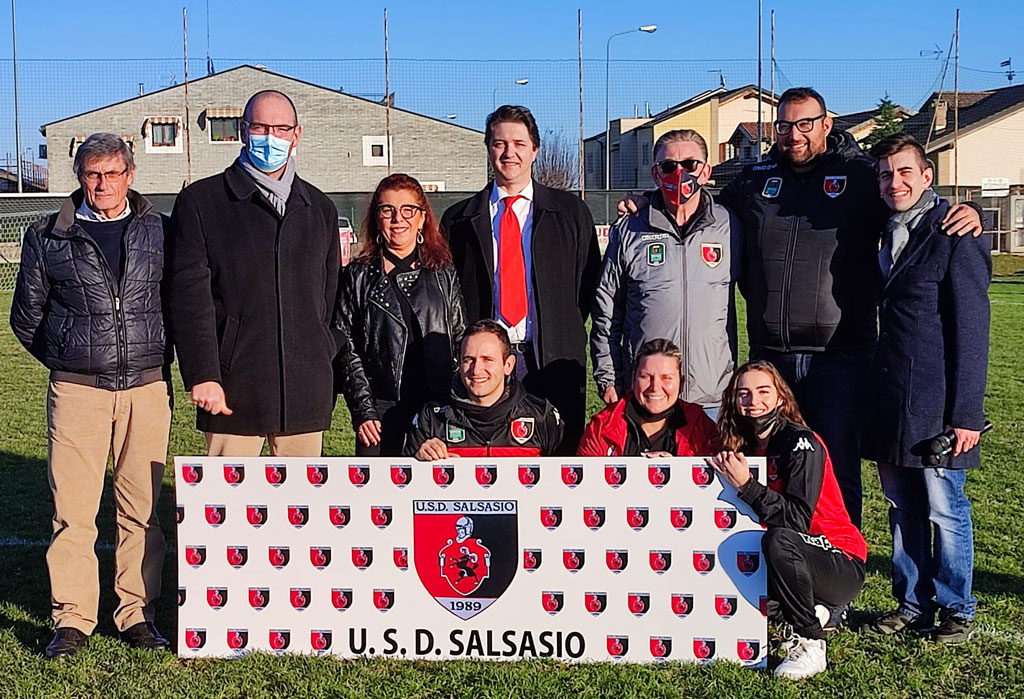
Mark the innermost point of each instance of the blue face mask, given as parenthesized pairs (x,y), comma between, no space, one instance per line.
(268,152)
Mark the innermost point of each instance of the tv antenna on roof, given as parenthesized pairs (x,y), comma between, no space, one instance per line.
(1008,64)
(935,52)
(721,77)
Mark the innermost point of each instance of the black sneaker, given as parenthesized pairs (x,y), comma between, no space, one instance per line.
(893,622)
(144,635)
(67,641)
(954,629)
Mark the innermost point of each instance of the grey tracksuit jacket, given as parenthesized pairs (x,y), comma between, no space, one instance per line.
(656,283)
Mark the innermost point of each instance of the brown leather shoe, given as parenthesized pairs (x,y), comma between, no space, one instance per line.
(67,641)
(144,635)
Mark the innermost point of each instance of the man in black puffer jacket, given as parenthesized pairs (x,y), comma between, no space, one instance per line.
(88,306)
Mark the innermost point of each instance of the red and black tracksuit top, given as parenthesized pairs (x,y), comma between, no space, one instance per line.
(608,432)
(802,493)
(519,424)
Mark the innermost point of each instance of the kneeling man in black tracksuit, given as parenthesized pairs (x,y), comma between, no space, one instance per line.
(488,412)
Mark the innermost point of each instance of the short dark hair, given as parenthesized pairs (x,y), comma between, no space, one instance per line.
(799,94)
(508,112)
(658,346)
(897,142)
(261,93)
(488,325)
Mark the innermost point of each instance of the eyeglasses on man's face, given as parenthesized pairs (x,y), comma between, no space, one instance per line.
(260,129)
(407,211)
(784,128)
(93,177)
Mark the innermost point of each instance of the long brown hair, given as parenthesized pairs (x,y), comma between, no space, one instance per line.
(434,252)
(729,425)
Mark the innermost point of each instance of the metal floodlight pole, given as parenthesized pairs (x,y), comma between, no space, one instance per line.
(17,115)
(956,114)
(387,94)
(188,130)
(647,29)
(582,154)
(760,102)
(773,135)
(494,92)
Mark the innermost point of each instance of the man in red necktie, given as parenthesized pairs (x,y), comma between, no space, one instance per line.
(527,256)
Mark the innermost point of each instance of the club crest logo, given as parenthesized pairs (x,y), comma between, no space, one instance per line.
(661,647)
(552,601)
(381,516)
(659,474)
(299,597)
(215,515)
(316,474)
(704,648)
(279,639)
(298,515)
(195,556)
(572,476)
(383,599)
(637,517)
(465,551)
(638,602)
(616,559)
(773,470)
(192,474)
(521,429)
(259,597)
(748,649)
(320,556)
(703,561)
(617,646)
(444,476)
(703,476)
(725,518)
(682,517)
(682,604)
(238,639)
(320,640)
(279,556)
(237,556)
(550,517)
(835,185)
(615,475)
(216,597)
(573,559)
(661,560)
(179,514)
(400,556)
(725,605)
(256,515)
(362,557)
(340,515)
(747,562)
(531,559)
(234,474)
(401,475)
(529,476)
(359,475)
(712,254)
(341,598)
(486,475)
(593,518)
(595,602)
(182,596)
(195,638)
(276,474)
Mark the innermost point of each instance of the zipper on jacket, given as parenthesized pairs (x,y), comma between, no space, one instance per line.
(787,279)
(113,288)
(683,334)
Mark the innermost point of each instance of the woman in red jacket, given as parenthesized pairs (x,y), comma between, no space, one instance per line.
(815,556)
(652,420)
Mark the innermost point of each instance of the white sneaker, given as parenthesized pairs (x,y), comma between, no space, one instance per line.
(805,659)
(823,614)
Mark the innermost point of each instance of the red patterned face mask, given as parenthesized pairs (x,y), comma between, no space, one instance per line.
(677,186)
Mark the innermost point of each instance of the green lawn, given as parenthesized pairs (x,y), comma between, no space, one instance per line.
(991,666)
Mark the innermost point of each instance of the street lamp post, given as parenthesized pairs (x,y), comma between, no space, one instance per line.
(494,92)
(647,29)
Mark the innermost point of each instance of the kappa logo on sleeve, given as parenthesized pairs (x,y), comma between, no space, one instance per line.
(803,444)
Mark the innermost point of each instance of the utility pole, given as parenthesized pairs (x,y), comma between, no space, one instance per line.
(17,115)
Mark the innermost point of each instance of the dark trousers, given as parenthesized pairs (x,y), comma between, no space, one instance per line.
(563,382)
(830,388)
(805,570)
(395,422)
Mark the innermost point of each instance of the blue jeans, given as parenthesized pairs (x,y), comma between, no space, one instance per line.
(830,388)
(930,573)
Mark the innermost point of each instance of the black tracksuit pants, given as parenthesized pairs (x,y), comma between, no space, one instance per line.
(803,571)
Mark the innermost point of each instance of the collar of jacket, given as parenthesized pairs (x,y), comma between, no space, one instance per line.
(702,218)
(480,204)
(66,216)
(242,186)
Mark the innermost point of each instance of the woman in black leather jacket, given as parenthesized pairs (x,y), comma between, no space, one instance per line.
(400,313)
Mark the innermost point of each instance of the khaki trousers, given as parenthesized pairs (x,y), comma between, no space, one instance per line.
(84,424)
(308,444)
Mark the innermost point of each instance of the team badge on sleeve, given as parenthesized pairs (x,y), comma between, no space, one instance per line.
(772,187)
(711,253)
(835,185)
(656,254)
(522,429)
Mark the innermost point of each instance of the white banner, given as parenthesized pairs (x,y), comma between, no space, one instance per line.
(584,559)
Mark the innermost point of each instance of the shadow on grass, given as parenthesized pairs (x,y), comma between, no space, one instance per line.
(986,582)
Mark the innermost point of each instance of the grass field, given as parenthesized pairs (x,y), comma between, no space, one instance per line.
(991,666)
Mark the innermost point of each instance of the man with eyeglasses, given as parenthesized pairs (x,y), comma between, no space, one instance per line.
(88,306)
(668,273)
(254,272)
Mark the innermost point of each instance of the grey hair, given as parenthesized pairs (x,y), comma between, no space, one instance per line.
(681,135)
(101,145)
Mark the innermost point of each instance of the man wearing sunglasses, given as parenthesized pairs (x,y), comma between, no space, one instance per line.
(668,273)
(254,271)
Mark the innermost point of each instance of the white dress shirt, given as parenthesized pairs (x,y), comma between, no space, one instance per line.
(523,209)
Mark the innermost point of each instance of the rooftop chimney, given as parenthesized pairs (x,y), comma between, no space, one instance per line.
(940,114)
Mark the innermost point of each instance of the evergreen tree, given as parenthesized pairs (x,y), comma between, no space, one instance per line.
(886,122)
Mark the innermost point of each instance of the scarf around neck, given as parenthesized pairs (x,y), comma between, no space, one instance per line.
(275,190)
(900,224)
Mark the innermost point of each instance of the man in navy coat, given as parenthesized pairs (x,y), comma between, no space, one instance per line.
(930,368)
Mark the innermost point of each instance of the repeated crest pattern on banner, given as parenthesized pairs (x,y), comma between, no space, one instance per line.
(634,560)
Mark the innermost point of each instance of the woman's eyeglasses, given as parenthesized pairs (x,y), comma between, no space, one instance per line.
(407,211)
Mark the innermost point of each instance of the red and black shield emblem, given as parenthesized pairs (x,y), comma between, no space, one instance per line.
(192,474)
(276,474)
(298,515)
(279,556)
(725,518)
(320,639)
(704,648)
(573,559)
(195,638)
(216,597)
(362,557)
(340,515)
(381,515)
(572,476)
(661,647)
(747,562)
(359,475)
(639,603)
(215,515)
(320,556)
(773,470)
(238,639)
(280,639)
(195,556)
(725,605)
(316,474)
(552,601)
(383,599)
(711,254)
(182,596)
(659,474)
(400,555)
(637,517)
(682,517)
(593,517)
(256,515)
(237,556)
(401,475)
(341,598)
(444,476)
(661,560)
(703,475)
(465,551)
(835,185)
(531,559)
(529,475)
(762,605)
(682,605)
(179,514)
(234,474)
(595,602)
(703,561)
(617,646)
(521,429)
(487,475)
(299,597)
(259,597)
(615,475)
(550,517)
(616,559)
(748,649)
